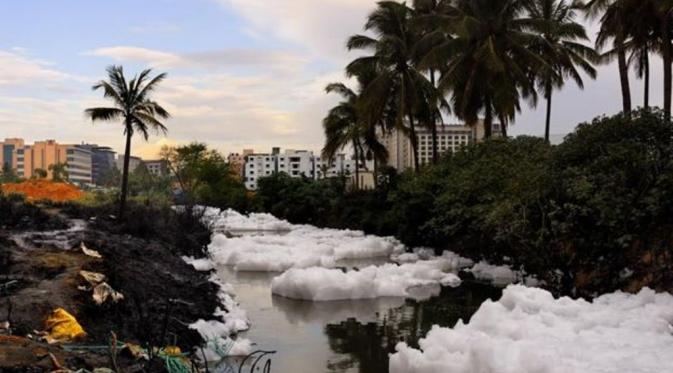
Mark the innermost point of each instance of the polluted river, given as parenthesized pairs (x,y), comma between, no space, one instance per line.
(270,296)
(322,300)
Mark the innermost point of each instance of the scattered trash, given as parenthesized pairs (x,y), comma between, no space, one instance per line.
(136,351)
(62,327)
(93,278)
(103,292)
(89,252)
(4,327)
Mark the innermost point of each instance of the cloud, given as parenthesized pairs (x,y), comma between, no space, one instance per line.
(17,69)
(216,59)
(321,27)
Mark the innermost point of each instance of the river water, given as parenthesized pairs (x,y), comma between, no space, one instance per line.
(344,336)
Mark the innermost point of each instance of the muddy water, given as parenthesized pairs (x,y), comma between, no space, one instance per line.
(344,336)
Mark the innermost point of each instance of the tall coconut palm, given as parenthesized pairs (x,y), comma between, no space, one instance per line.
(561,44)
(344,126)
(133,105)
(397,82)
(664,11)
(488,62)
(644,39)
(614,17)
(428,17)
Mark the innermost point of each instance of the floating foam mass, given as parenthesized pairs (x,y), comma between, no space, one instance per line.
(528,331)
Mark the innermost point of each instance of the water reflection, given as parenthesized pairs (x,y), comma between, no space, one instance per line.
(366,346)
(345,336)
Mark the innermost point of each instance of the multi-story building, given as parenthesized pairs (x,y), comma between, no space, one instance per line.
(7,151)
(45,154)
(134,162)
(157,167)
(296,163)
(450,138)
(237,162)
(102,161)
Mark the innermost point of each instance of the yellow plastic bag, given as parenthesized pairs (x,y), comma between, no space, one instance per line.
(63,327)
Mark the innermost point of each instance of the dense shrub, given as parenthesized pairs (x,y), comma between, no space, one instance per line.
(583,215)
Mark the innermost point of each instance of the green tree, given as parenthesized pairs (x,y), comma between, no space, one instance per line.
(59,172)
(134,106)
(614,18)
(487,63)
(40,173)
(345,126)
(664,12)
(427,21)
(8,174)
(204,177)
(561,46)
(398,88)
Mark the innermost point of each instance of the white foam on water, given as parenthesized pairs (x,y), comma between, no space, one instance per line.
(529,331)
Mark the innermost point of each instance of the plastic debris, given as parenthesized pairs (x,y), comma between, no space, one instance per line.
(92,278)
(62,327)
(103,292)
(89,252)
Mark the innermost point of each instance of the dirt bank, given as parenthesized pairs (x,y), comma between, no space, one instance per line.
(162,294)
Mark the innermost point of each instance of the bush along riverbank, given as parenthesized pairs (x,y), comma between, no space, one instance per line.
(590,216)
(126,278)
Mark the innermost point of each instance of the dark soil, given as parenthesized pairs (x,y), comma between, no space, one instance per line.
(141,259)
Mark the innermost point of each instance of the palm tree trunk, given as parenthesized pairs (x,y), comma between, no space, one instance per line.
(547,127)
(414,142)
(646,78)
(357,167)
(666,55)
(503,126)
(125,173)
(623,73)
(433,125)
(488,118)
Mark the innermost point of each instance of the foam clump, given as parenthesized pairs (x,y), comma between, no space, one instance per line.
(300,246)
(528,330)
(388,280)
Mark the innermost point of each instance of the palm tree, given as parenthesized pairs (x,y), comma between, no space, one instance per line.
(344,126)
(134,106)
(398,87)
(664,11)
(561,46)
(428,16)
(487,64)
(614,17)
(643,39)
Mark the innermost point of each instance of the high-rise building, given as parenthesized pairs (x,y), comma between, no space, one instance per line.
(102,161)
(450,138)
(7,152)
(45,154)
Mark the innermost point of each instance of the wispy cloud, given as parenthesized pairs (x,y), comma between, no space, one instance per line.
(321,27)
(214,59)
(16,68)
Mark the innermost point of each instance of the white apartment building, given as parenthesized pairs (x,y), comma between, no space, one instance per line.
(450,138)
(296,163)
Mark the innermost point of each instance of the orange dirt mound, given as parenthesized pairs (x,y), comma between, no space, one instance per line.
(36,190)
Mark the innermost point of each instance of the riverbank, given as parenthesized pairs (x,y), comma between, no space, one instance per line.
(44,260)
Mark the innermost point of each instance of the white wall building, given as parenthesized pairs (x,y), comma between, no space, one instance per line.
(296,163)
(450,138)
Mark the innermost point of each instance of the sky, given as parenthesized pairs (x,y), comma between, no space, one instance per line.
(241,73)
